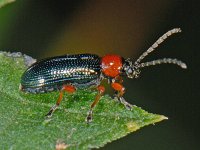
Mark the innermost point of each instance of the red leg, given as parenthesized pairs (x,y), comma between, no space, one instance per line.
(101,90)
(119,79)
(121,90)
(68,89)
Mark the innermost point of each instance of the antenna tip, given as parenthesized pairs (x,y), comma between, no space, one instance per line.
(184,66)
(177,30)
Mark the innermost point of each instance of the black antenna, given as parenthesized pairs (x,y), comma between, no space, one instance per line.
(163,61)
(137,63)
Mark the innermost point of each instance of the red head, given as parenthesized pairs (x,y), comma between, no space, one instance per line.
(114,65)
(111,65)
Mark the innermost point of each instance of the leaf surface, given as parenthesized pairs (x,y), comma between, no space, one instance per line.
(23,125)
(5,2)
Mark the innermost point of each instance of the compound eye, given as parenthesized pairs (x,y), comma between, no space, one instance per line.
(130,71)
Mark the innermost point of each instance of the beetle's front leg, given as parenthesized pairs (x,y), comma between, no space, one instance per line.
(119,88)
(68,89)
(101,90)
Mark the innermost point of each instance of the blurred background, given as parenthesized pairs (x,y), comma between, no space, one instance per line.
(128,28)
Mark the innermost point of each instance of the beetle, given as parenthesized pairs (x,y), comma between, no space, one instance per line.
(68,73)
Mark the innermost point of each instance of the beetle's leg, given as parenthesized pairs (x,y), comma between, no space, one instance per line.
(118,79)
(120,92)
(68,89)
(54,107)
(101,90)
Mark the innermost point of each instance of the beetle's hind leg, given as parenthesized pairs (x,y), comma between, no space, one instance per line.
(67,88)
(101,90)
(120,90)
(54,107)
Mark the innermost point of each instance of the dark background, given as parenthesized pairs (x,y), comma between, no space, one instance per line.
(125,27)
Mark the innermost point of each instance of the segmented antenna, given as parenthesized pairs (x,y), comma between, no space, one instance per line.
(155,45)
(163,61)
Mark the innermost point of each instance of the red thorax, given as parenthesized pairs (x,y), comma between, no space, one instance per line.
(111,65)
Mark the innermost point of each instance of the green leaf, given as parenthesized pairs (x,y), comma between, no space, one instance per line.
(5,2)
(23,125)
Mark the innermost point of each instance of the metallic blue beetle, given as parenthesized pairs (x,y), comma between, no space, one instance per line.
(71,72)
